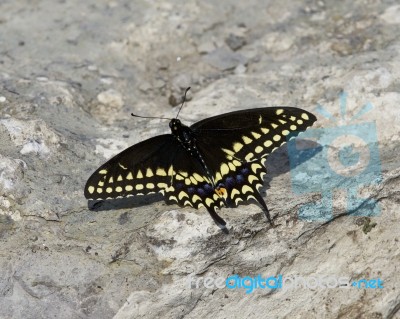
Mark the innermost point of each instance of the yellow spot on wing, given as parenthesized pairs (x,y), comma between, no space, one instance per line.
(99,190)
(237,200)
(279,111)
(109,190)
(256,135)
(149,173)
(103,172)
(182,194)
(139,174)
(246,139)
(139,187)
(293,127)
(285,132)
(187,203)
(255,167)
(209,202)
(150,185)
(162,185)
(198,177)
(246,189)
(267,143)
(305,116)
(237,147)
(276,138)
(282,121)
(274,125)
(173,198)
(128,188)
(118,189)
(263,160)
(299,122)
(249,157)
(252,178)
(224,169)
(264,130)
(91,189)
(111,180)
(231,166)
(236,163)
(183,173)
(101,183)
(229,152)
(129,176)
(259,149)
(119,179)
(196,198)
(234,192)
(161,172)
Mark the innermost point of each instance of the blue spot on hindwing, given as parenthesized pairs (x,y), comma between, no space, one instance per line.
(240,179)
(230,182)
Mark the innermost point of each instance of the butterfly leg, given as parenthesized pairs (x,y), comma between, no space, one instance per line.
(218,220)
(258,197)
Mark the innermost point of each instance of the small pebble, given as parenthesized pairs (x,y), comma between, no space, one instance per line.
(2,99)
(235,42)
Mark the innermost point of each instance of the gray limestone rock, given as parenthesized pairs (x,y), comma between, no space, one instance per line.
(71,72)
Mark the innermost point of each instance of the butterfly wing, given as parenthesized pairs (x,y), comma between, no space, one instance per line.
(248,135)
(143,168)
(159,164)
(235,146)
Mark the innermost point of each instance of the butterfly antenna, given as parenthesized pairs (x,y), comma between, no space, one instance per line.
(151,117)
(183,102)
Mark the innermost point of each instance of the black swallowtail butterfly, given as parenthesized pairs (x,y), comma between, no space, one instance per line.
(216,162)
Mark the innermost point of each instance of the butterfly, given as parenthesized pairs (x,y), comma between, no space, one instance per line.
(219,161)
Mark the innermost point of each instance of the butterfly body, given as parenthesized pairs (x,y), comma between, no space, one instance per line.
(219,161)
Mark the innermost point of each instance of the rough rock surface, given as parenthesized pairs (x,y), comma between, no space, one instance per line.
(71,73)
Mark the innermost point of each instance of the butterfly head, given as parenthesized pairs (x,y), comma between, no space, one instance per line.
(175,125)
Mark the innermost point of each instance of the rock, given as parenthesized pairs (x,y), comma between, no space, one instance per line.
(235,42)
(137,257)
(224,59)
(111,98)
(206,47)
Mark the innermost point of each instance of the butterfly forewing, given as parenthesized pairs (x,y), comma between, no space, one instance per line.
(140,169)
(251,134)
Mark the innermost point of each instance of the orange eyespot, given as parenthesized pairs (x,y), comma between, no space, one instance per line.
(221,191)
